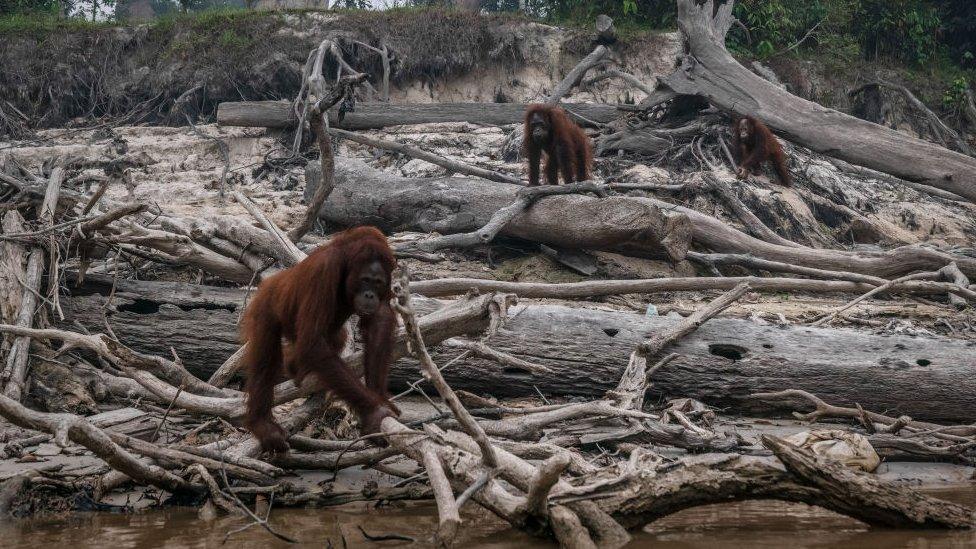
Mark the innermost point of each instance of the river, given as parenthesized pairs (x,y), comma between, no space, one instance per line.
(754,524)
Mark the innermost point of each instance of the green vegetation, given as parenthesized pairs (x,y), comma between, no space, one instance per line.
(930,44)
(42,23)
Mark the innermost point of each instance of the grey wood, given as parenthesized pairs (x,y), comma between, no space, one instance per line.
(587,350)
(280,114)
(448,205)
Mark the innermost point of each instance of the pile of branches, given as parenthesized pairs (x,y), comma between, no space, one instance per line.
(545,469)
(582,473)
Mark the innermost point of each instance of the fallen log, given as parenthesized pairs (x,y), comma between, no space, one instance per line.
(449,205)
(15,371)
(709,71)
(712,233)
(722,363)
(368,116)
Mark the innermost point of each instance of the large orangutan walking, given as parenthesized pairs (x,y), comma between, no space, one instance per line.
(308,305)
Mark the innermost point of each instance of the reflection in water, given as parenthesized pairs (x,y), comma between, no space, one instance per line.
(756,524)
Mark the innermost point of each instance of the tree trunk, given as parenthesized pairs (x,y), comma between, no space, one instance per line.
(709,71)
(450,205)
(280,114)
(721,363)
(462,204)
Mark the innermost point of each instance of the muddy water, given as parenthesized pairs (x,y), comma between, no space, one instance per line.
(758,524)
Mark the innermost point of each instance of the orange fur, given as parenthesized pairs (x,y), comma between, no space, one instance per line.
(760,146)
(308,305)
(568,151)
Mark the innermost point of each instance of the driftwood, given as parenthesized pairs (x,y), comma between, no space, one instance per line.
(461,204)
(709,71)
(691,481)
(15,371)
(723,362)
(326,100)
(414,152)
(369,116)
(937,126)
(715,235)
(457,204)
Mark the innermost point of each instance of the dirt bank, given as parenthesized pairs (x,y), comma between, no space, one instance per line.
(55,75)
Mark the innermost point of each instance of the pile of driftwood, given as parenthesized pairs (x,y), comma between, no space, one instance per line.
(164,354)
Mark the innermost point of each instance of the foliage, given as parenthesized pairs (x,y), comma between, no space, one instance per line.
(959,29)
(625,13)
(11,7)
(955,95)
(902,29)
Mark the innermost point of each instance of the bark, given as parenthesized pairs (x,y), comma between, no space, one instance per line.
(709,71)
(368,116)
(11,268)
(712,478)
(715,235)
(414,152)
(459,205)
(586,350)
(17,362)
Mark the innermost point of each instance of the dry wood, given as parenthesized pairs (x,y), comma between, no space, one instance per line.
(447,510)
(537,496)
(67,427)
(465,204)
(824,410)
(370,116)
(777,267)
(288,251)
(433,374)
(833,314)
(455,286)
(625,76)
(525,198)
(926,378)
(874,174)
(181,458)
(662,489)
(878,502)
(15,371)
(749,219)
(326,100)
(629,393)
(414,152)
(951,273)
(11,270)
(576,74)
(709,71)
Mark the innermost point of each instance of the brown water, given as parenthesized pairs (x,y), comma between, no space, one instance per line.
(757,524)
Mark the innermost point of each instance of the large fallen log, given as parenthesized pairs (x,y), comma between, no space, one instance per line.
(709,71)
(449,205)
(458,204)
(367,116)
(722,363)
